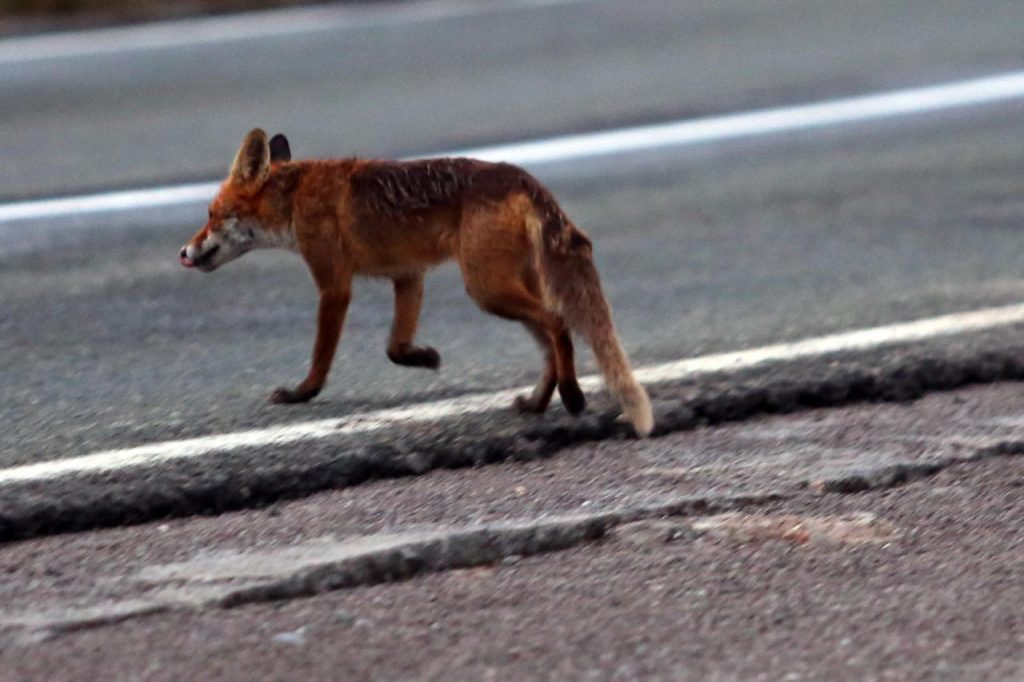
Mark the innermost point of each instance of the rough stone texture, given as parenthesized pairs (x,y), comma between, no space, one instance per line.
(867,478)
(398,529)
(70,618)
(939,602)
(672,475)
(852,529)
(650,532)
(230,578)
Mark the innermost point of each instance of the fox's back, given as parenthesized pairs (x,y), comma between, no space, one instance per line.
(396,188)
(410,212)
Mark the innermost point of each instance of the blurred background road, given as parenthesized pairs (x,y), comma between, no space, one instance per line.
(395,80)
(108,343)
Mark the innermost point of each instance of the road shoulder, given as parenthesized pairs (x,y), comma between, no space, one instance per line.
(910,576)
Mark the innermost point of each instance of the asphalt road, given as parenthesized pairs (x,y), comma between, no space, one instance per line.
(111,343)
(395,88)
(107,342)
(909,579)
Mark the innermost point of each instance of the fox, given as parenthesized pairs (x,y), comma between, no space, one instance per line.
(520,256)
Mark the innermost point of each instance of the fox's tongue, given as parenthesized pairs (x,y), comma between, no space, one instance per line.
(186,261)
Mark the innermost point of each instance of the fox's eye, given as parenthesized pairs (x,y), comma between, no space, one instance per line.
(209,213)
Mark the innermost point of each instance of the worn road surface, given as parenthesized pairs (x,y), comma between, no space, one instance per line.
(109,343)
(160,520)
(869,542)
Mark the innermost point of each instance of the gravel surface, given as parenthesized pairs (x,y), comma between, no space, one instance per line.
(927,589)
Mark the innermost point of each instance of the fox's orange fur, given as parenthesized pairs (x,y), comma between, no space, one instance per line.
(521,257)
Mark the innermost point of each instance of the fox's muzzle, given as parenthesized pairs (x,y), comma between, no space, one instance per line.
(189,257)
(221,242)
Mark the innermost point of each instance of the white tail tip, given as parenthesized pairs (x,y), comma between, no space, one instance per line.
(639,413)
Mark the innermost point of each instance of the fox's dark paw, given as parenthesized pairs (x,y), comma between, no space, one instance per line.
(572,397)
(529,405)
(287,396)
(415,356)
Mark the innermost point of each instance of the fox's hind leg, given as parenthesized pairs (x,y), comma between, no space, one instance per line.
(568,387)
(408,299)
(510,290)
(516,303)
(538,400)
(561,365)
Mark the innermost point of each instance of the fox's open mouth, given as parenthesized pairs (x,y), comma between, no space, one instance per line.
(202,260)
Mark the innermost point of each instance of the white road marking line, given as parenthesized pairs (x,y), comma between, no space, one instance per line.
(764,122)
(259,25)
(862,339)
(574,147)
(108,202)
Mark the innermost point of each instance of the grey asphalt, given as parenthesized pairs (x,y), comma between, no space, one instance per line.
(111,343)
(912,578)
(108,343)
(151,116)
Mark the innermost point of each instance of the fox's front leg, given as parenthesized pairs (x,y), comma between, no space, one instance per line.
(329,321)
(408,299)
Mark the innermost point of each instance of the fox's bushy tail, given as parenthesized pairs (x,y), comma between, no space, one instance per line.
(572,288)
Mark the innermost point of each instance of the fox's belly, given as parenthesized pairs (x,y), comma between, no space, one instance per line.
(401,259)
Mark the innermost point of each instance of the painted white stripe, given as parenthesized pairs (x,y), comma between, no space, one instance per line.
(156,453)
(259,25)
(730,127)
(574,147)
(108,202)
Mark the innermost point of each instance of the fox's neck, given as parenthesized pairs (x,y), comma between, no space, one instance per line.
(278,207)
(282,237)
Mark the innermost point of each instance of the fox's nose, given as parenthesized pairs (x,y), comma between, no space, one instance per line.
(183,257)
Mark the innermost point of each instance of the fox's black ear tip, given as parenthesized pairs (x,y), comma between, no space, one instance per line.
(280,150)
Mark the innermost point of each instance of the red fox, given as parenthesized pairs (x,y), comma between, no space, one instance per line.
(521,257)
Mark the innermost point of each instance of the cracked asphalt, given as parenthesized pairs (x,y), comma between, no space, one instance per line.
(849,516)
(260,475)
(920,583)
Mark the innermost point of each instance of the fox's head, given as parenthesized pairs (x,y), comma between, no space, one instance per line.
(241,216)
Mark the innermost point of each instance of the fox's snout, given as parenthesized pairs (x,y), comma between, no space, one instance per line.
(199,256)
(193,251)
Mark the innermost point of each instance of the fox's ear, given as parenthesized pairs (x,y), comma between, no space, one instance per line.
(252,162)
(279,149)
